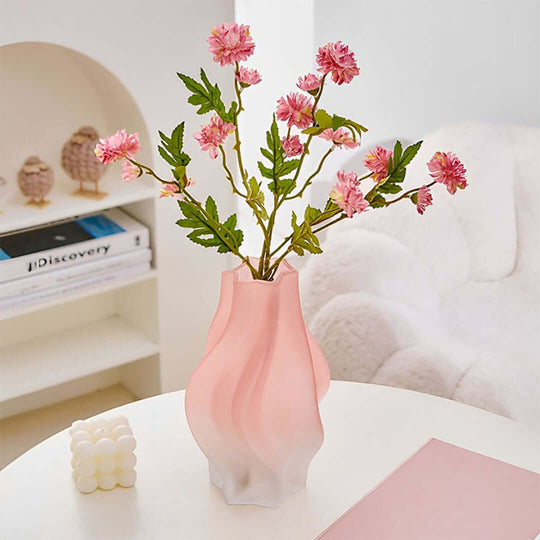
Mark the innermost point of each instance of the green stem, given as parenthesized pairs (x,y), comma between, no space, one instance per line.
(407,194)
(229,175)
(269,273)
(223,238)
(195,202)
(340,218)
(308,181)
(310,137)
(243,172)
(149,171)
(285,240)
(266,253)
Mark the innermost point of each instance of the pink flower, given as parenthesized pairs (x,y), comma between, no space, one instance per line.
(335,58)
(117,146)
(446,169)
(341,137)
(347,195)
(292,146)
(423,199)
(295,109)
(230,43)
(377,162)
(171,190)
(309,83)
(130,171)
(248,77)
(213,135)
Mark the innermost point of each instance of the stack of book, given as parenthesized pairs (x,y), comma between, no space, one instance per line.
(62,258)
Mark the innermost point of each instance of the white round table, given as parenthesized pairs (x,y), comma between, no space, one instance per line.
(369,431)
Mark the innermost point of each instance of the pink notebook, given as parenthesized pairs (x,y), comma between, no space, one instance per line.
(444,492)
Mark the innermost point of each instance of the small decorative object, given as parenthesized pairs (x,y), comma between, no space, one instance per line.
(3,192)
(35,179)
(102,454)
(252,404)
(81,164)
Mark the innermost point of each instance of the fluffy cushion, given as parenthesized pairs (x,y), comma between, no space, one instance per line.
(445,303)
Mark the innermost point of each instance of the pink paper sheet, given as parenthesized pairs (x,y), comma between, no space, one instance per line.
(444,492)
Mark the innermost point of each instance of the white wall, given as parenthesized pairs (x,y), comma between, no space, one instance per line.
(429,63)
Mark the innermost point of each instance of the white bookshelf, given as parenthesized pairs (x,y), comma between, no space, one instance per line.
(99,335)
(78,295)
(43,362)
(17,215)
(55,77)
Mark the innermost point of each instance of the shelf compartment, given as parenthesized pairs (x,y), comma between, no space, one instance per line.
(59,357)
(17,215)
(78,295)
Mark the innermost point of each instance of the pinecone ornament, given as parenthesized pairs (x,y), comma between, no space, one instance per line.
(80,162)
(35,180)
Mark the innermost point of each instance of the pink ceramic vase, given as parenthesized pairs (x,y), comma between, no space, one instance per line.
(253,402)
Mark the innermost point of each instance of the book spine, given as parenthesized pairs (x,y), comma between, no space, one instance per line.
(51,294)
(56,278)
(74,254)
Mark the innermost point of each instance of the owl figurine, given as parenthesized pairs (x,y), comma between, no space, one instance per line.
(35,180)
(81,164)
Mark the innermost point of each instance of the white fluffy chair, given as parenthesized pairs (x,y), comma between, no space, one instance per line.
(445,303)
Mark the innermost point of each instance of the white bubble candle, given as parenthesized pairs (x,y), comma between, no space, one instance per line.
(102,453)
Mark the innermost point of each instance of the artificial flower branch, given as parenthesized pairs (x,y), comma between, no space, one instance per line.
(232,44)
(408,194)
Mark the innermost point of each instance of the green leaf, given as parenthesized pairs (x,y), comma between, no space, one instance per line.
(314,130)
(303,238)
(177,136)
(171,149)
(207,231)
(311,214)
(397,176)
(358,127)
(284,186)
(323,119)
(169,159)
(191,84)
(206,238)
(330,204)
(410,153)
(396,157)
(207,97)
(164,137)
(338,121)
(236,236)
(265,171)
(389,188)
(378,201)
(400,161)
(179,173)
(211,208)
(289,167)
(255,198)
(275,155)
